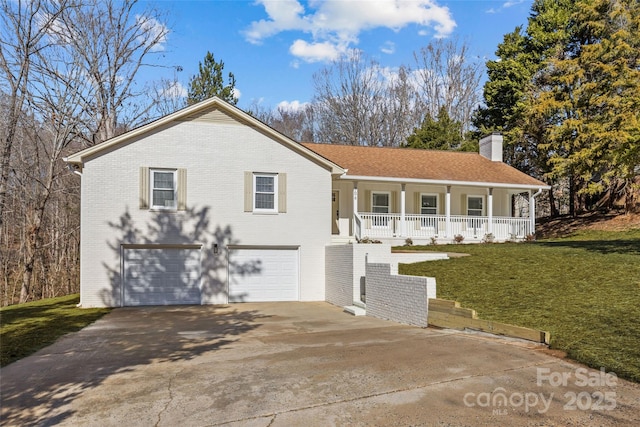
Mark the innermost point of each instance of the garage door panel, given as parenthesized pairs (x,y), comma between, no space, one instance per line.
(163,276)
(274,276)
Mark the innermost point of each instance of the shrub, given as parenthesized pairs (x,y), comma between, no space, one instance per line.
(458,238)
(408,241)
(488,238)
(368,240)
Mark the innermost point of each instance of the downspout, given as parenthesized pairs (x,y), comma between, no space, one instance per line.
(532,210)
(73,168)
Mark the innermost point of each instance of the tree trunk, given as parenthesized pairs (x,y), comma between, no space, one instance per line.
(630,205)
(33,241)
(27,276)
(553,209)
(7,143)
(572,197)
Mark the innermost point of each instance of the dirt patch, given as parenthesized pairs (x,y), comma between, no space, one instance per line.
(456,254)
(565,225)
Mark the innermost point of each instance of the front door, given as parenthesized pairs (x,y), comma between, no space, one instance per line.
(335,212)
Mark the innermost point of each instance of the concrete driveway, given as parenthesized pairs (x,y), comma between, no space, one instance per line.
(289,364)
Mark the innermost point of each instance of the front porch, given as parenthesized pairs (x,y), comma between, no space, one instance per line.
(440,228)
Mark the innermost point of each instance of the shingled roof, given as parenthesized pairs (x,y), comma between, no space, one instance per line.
(427,165)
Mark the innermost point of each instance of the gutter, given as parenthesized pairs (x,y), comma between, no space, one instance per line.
(446,182)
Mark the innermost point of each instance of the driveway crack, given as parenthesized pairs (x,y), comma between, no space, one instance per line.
(170,400)
(388,392)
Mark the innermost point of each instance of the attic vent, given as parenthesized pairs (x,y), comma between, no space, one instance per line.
(212,116)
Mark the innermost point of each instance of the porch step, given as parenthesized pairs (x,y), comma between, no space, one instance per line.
(360,304)
(356,311)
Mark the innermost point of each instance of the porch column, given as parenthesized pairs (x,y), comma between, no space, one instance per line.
(403,224)
(532,211)
(490,210)
(447,211)
(355,208)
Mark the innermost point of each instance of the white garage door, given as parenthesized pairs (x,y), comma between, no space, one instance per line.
(260,275)
(161,276)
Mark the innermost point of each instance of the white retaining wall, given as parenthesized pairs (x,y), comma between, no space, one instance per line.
(338,268)
(403,299)
(345,269)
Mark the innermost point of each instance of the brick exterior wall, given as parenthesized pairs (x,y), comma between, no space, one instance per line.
(216,156)
(402,299)
(339,274)
(345,270)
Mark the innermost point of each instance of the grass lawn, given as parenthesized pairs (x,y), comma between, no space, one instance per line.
(583,289)
(26,328)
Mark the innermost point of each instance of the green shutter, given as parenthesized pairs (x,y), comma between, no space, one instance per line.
(367,200)
(248,191)
(144,188)
(282,192)
(417,203)
(182,189)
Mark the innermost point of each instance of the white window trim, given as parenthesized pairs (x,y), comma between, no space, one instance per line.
(273,210)
(174,207)
(388,193)
(381,222)
(471,196)
(437,202)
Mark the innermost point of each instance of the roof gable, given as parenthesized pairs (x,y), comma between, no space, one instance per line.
(212,110)
(214,115)
(423,165)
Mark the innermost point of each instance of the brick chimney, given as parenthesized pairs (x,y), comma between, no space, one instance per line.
(491,147)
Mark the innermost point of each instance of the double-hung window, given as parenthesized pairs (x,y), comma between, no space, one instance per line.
(428,204)
(475,205)
(380,205)
(164,189)
(380,202)
(265,192)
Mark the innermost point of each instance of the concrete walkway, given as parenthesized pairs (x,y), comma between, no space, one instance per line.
(289,364)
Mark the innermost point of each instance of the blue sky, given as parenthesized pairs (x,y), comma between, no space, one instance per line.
(273,47)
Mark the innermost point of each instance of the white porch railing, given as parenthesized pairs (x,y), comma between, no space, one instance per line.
(376,225)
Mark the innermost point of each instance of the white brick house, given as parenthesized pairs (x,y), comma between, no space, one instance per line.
(206,205)
(209,205)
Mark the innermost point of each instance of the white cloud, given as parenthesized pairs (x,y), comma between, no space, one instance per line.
(174,89)
(507,4)
(334,26)
(315,52)
(511,3)
(388,48)
(292,105)
(153,33)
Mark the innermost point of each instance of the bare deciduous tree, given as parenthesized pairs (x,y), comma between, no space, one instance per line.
(449,78)
(71,72)
(296,122)
(358,102)
(112,40)
(345,93)
(23,27)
